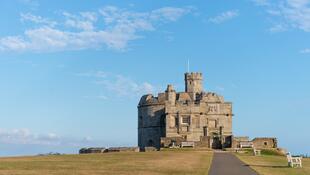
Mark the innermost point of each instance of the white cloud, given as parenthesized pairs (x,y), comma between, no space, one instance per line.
(91,16)
(305,51)
(225,16)
(103,97)
(12,43)
(297,12)
(118,85)
(85,31)
(169,13)
(122,86)
(290,13)
(25,137)
(278,28)
(37,19)
(85,21)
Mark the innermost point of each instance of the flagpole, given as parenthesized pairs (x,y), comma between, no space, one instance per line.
(188,65)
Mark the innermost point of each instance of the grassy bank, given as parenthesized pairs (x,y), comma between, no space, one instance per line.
(167,162)
(274,165)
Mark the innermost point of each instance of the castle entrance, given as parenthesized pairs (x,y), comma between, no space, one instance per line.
(216,143)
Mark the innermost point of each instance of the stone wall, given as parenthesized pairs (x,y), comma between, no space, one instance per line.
(259,142)
(236,141)
(106,150)
(265,142)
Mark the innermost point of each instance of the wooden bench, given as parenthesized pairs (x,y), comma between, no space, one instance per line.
(257,152)
(294,161)
(187,144)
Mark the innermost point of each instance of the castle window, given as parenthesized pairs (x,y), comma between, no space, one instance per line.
(205,131)
(265,143)
(186,120)
(176,121)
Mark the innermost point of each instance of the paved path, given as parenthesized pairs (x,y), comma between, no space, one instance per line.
(228,164)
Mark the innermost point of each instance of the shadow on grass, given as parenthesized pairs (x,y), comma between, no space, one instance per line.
(267,166)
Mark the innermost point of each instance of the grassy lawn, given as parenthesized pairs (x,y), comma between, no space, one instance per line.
(164,162)
(274,165)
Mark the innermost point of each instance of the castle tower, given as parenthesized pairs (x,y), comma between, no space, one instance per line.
(171,94)
(193,83)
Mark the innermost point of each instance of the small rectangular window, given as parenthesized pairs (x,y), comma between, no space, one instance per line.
(186,120)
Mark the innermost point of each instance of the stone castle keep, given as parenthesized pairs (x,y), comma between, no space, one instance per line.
(194,116)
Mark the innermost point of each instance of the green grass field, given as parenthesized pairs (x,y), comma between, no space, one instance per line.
(150,163)
(274,165)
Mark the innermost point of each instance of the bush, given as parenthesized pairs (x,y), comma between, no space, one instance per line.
(271,152)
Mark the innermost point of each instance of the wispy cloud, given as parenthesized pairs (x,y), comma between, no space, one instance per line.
(25,136)
(84,21)
(297,12)
(305,51)
(116,85)
(278,28)
(24,17)
(122,86)
(84,31)
(225,16)
(289,13)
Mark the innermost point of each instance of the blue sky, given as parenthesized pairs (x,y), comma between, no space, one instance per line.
(72,72)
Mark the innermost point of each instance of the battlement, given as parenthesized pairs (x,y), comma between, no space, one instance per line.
(193,76)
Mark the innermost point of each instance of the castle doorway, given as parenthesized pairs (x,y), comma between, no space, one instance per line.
(216,143)
(150,143)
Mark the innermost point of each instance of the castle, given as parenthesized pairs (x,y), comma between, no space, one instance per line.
(194,116)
